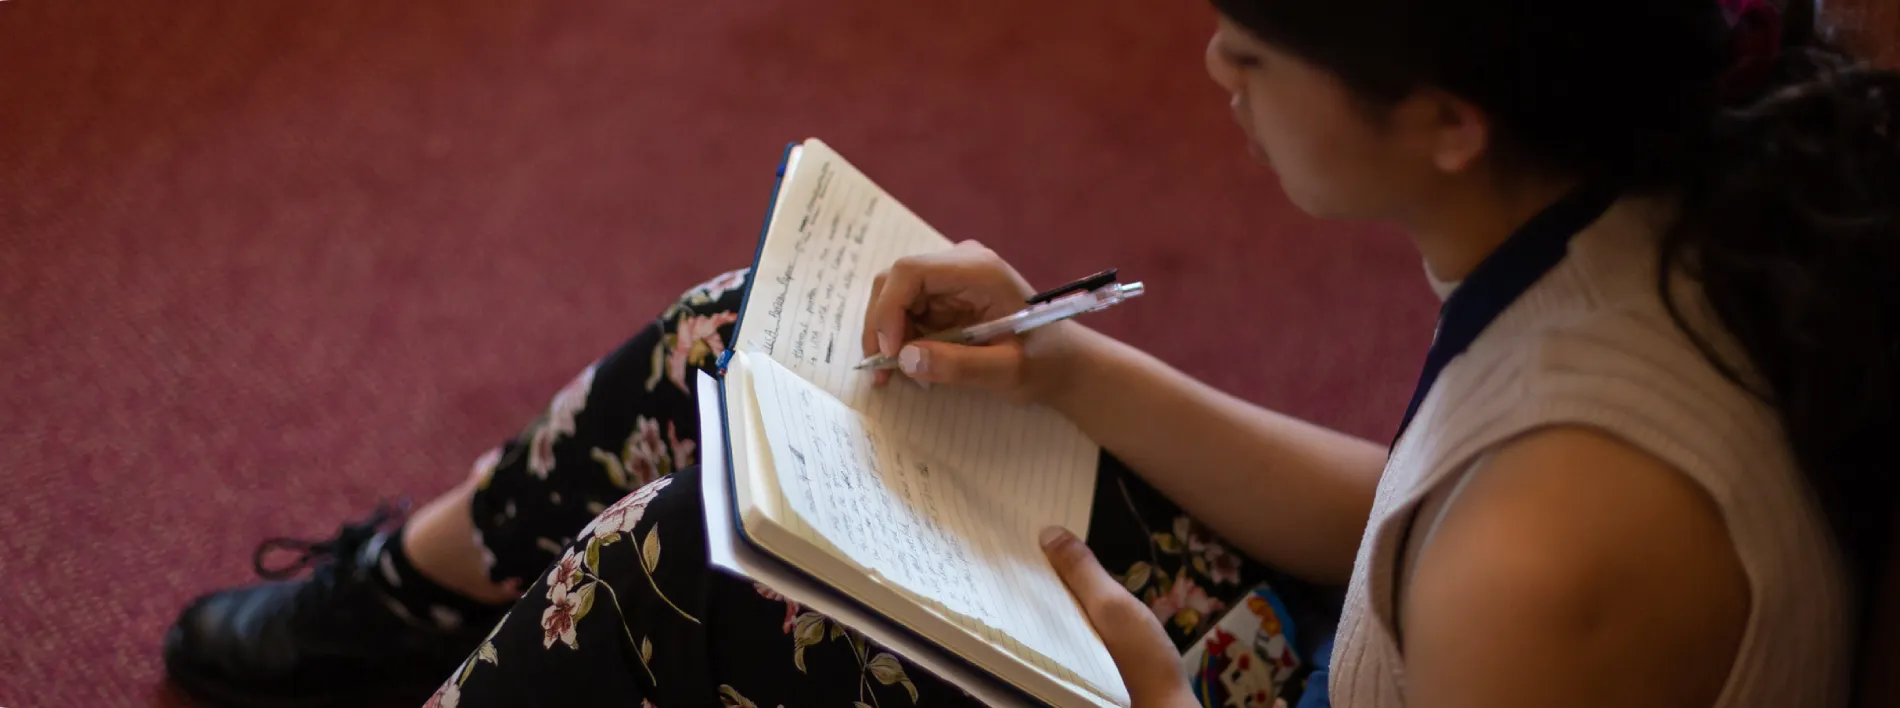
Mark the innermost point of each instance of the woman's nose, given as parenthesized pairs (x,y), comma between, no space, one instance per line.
(1219,69)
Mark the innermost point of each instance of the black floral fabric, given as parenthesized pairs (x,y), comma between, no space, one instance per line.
(593,511)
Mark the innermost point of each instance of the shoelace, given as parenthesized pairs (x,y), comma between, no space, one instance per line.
(314,552)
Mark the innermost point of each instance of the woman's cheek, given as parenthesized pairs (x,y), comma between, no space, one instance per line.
(1293,160)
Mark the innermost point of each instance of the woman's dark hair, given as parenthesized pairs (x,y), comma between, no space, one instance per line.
(1783,151)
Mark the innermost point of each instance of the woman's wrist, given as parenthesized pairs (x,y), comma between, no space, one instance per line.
(1061,362)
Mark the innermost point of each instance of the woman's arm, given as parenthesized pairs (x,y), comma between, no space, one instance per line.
(1289,493)
(1574,570)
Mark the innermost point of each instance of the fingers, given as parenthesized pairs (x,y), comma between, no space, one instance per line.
(1149,663)
(893,294)
(1092,585)
(870,332)
(996,366)
(969,270)
(880,377)
(975,283)
(888,320)
(890,313)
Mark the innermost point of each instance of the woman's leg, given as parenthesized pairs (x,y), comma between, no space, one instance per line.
(440,540)
(626,421)
(388,609)
(619,605)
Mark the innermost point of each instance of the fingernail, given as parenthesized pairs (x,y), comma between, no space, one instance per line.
(913,360)
(883,343)
(1052,535)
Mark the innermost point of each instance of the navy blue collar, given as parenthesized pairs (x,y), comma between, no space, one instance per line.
(1533,250)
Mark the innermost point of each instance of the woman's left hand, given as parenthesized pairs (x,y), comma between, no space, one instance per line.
(1149,664)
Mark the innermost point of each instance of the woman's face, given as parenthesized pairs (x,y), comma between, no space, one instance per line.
(1335,156)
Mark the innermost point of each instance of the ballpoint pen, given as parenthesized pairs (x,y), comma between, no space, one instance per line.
(1091,294)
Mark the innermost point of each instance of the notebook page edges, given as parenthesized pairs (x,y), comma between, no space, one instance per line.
(756,491)
(906,520)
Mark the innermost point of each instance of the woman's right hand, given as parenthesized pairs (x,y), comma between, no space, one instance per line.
(958,287)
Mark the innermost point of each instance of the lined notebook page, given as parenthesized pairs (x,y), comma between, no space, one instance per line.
(908,519)
(831,232)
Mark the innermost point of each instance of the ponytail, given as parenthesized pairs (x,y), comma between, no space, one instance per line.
(1790,226)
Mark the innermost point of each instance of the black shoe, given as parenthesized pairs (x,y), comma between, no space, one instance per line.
(331,639)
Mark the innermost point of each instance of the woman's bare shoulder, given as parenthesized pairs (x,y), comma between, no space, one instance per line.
(1575,569)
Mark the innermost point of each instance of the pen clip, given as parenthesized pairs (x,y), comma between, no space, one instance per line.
(1087,283)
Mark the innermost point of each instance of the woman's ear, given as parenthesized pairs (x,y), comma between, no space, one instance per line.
(1449,131)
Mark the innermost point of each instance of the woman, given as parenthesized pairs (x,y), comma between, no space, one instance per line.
(1641,466)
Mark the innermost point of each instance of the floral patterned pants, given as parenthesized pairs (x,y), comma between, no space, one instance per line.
(594,510)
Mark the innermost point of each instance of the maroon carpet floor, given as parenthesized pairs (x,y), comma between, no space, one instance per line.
(264,263)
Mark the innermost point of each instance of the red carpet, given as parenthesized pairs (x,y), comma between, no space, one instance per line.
(263,263)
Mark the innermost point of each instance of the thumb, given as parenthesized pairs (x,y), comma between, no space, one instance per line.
(994,366)
(1150,665)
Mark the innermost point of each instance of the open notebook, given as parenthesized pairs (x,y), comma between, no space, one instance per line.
(922,507)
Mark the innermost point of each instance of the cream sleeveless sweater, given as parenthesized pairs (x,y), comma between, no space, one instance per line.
(1590,344)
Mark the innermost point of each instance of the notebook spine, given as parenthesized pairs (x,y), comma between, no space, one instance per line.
(778,182)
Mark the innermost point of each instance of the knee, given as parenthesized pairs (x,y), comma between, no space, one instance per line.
(721,288)
(678,503)
(673,499)
(658,531)
(483,468)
